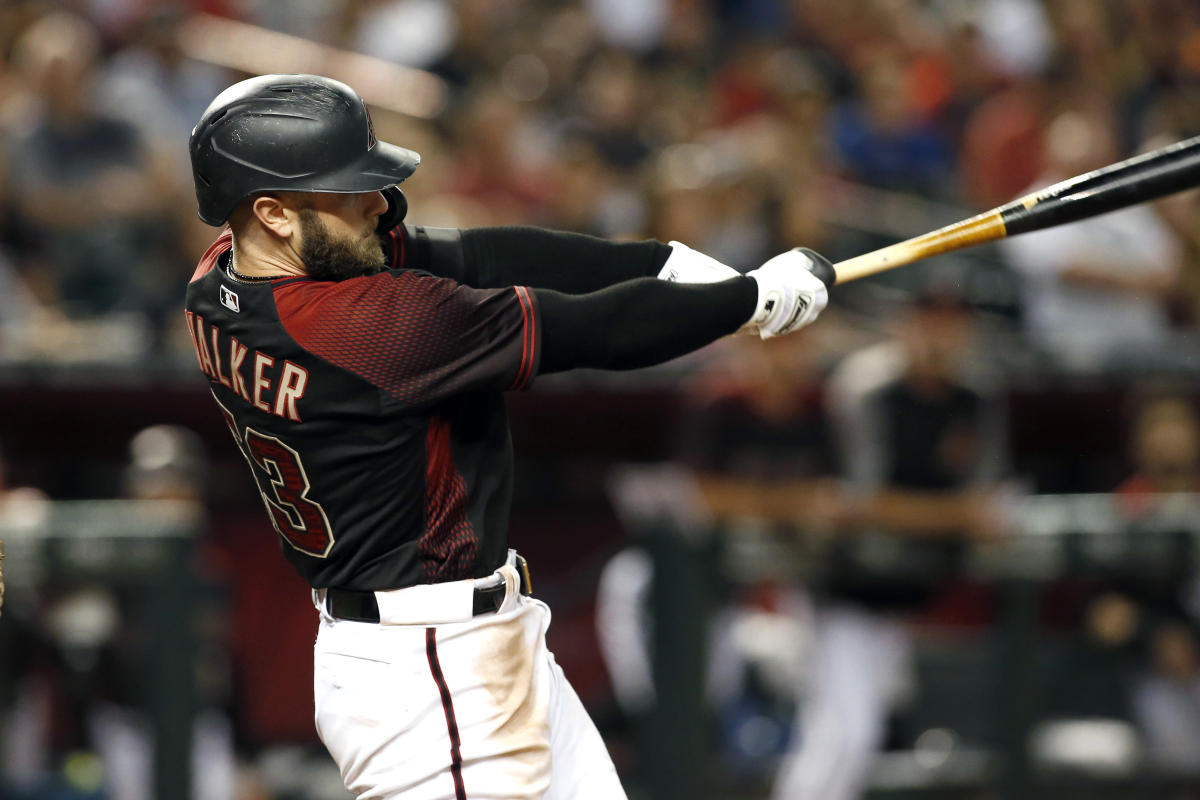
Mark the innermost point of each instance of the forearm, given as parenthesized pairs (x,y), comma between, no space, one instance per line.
(785,502)
(919,513)
(571,263)
(639,323)
(1152,283)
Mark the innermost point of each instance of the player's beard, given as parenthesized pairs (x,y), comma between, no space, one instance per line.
(330,258)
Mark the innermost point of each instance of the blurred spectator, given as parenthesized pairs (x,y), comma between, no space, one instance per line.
(624,119)
(18,310)
(557,112)
(882,140)
(415,33)
(17,498)
(612,97)
(478,27)
(1088,54)
(166,462)
(630,24)
(1016,35)
(1165,445)
(1095,290)
(1166,700)
(83,184)
(1165,450)
(923,452)
(1182,213)
(1002,144)
(588,197)
(488,168)
(151,84)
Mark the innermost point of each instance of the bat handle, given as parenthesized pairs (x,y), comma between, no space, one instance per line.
(986,227)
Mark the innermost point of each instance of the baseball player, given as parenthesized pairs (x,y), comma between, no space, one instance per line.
(360,364)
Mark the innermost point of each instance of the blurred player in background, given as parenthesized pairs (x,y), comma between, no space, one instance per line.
(762,454)
(79,722)
(923,450)
(1095,290)
(1165,451)
(758,461)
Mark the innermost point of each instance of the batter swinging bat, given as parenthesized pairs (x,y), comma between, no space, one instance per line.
(1146,177)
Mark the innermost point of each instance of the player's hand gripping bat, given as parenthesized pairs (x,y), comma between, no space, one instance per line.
(1139,179)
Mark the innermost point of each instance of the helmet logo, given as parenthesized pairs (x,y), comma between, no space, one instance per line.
(370,128)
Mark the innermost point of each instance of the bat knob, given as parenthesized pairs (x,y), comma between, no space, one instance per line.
(819,266)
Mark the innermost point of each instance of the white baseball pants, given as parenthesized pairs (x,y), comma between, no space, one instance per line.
(450,710)
(860,659)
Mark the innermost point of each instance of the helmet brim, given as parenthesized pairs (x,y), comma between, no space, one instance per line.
(382,166)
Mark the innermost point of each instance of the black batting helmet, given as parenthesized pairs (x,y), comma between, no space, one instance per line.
(300,133)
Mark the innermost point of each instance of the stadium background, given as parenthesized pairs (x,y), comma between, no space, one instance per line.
(741,128)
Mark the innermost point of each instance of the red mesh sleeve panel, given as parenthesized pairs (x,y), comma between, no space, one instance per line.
(209,259)
(418,337)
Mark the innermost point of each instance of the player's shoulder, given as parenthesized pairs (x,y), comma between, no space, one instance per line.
(314,303)
(363,288)
(222,245)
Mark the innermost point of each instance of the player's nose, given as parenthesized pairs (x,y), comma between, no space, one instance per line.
(376,204)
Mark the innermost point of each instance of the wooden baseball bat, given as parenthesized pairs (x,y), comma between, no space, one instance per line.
(1139,179)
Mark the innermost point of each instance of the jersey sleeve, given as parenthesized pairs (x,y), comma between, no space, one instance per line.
(394,242)
(417,337)
(523,255)
(438,251)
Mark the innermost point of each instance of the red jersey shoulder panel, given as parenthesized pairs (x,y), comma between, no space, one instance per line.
(416,336)
(223,243)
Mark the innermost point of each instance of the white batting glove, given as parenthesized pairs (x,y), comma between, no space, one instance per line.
(686,265)
(790,293)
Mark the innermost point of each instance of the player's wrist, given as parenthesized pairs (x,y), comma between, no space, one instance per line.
(685,265)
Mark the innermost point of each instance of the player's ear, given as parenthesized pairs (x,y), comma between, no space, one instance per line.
(273,214)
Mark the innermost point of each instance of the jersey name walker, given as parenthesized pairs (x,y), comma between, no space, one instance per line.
(370,412)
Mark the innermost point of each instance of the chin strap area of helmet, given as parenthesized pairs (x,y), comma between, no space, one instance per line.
(397,208)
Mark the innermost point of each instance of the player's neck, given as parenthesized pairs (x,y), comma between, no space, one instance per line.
(254,261)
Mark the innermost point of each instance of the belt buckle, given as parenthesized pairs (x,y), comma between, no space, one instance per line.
(526,583)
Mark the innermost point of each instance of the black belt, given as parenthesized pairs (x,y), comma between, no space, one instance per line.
(356,606)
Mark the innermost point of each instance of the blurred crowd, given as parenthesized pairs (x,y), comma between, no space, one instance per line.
(741,128)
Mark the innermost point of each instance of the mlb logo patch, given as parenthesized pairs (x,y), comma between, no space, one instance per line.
(229,299)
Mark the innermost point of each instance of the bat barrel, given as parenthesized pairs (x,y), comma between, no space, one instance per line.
(1152,180)
(1114,172)
(1136,180)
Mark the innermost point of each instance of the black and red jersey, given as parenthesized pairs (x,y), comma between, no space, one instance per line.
(371,412)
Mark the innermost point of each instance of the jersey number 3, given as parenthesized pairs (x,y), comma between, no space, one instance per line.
(284,486)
